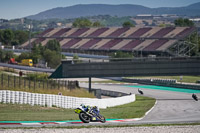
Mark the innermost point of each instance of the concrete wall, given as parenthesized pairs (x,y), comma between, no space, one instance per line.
(161,82)
(132,68)
(18,97)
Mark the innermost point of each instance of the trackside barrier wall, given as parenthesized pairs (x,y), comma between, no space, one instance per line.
(18,97)
(163,82)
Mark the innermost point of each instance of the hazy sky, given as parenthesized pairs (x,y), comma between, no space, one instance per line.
(10,9)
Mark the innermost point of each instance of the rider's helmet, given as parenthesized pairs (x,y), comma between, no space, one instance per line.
(95,107)
(82,105)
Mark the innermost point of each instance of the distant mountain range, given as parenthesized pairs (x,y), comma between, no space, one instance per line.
(112,10)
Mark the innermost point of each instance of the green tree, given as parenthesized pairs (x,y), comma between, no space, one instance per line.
(8,36)
(36,54)
(120,54)
(183,22)
(25,55)
(82,23)
(52,58)
(76,58)
(128,24)
(53,45)
(97,24)
(15,42)
(8,55)
(2,55)
(162,25)
(1,36)
(21,36)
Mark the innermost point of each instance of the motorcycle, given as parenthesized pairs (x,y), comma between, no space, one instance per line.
(194,96)
(86,117)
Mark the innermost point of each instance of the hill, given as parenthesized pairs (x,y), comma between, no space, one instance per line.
(113,10)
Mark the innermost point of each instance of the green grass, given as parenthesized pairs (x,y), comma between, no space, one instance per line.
(43,87)
(132,110)
(186,79)
(17,112)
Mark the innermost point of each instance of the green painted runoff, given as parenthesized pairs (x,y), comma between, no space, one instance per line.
(165,88)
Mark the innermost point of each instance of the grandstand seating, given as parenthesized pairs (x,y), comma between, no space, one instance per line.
(140,32)
(39,40)
(49,34)
(121,44)
(60,32)
(118,32)
(88,32)
(175,32)
(143,44)
(154,45)
(70,43)
(45,41)
(64,41)
(100,44)
(151,32)
(45,32)
(110,44)
(108,32)
(131,45)
(88,44)
(166,45)
(125,39)
(162,32)
(79,32)
(79,44)
(98,32)
(185,32)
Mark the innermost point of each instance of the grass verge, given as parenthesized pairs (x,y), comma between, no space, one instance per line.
(16,112)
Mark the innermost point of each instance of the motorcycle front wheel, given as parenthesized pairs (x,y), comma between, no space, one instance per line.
(84,117)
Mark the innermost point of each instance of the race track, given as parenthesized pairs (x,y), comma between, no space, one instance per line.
(171,107)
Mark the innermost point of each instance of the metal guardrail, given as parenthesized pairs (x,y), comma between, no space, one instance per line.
(27,68)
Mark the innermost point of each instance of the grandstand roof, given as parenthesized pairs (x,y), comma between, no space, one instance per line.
(125,39)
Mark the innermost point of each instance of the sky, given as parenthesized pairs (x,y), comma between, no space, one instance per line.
(11,9)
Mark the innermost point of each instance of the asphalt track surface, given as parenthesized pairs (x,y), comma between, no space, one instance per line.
(171,107)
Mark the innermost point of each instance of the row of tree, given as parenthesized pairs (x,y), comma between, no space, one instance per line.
(12,37)
(83,23)
(51,53)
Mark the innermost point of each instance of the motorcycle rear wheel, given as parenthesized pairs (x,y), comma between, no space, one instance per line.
(103,120)
(84,117)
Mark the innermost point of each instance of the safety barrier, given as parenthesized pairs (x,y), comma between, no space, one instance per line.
(150,81)
(164,82)
(18,97)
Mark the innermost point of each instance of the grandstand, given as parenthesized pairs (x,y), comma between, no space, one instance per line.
(147,40)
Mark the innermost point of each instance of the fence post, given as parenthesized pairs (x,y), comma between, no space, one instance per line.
(2,79)
(59,84)
(47,83)
(34,85)
(24,83)
(29,84)
(14,81)
(43,84)
(19,81)
(8,80)
(39,84)
(51,84)
(65,84)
